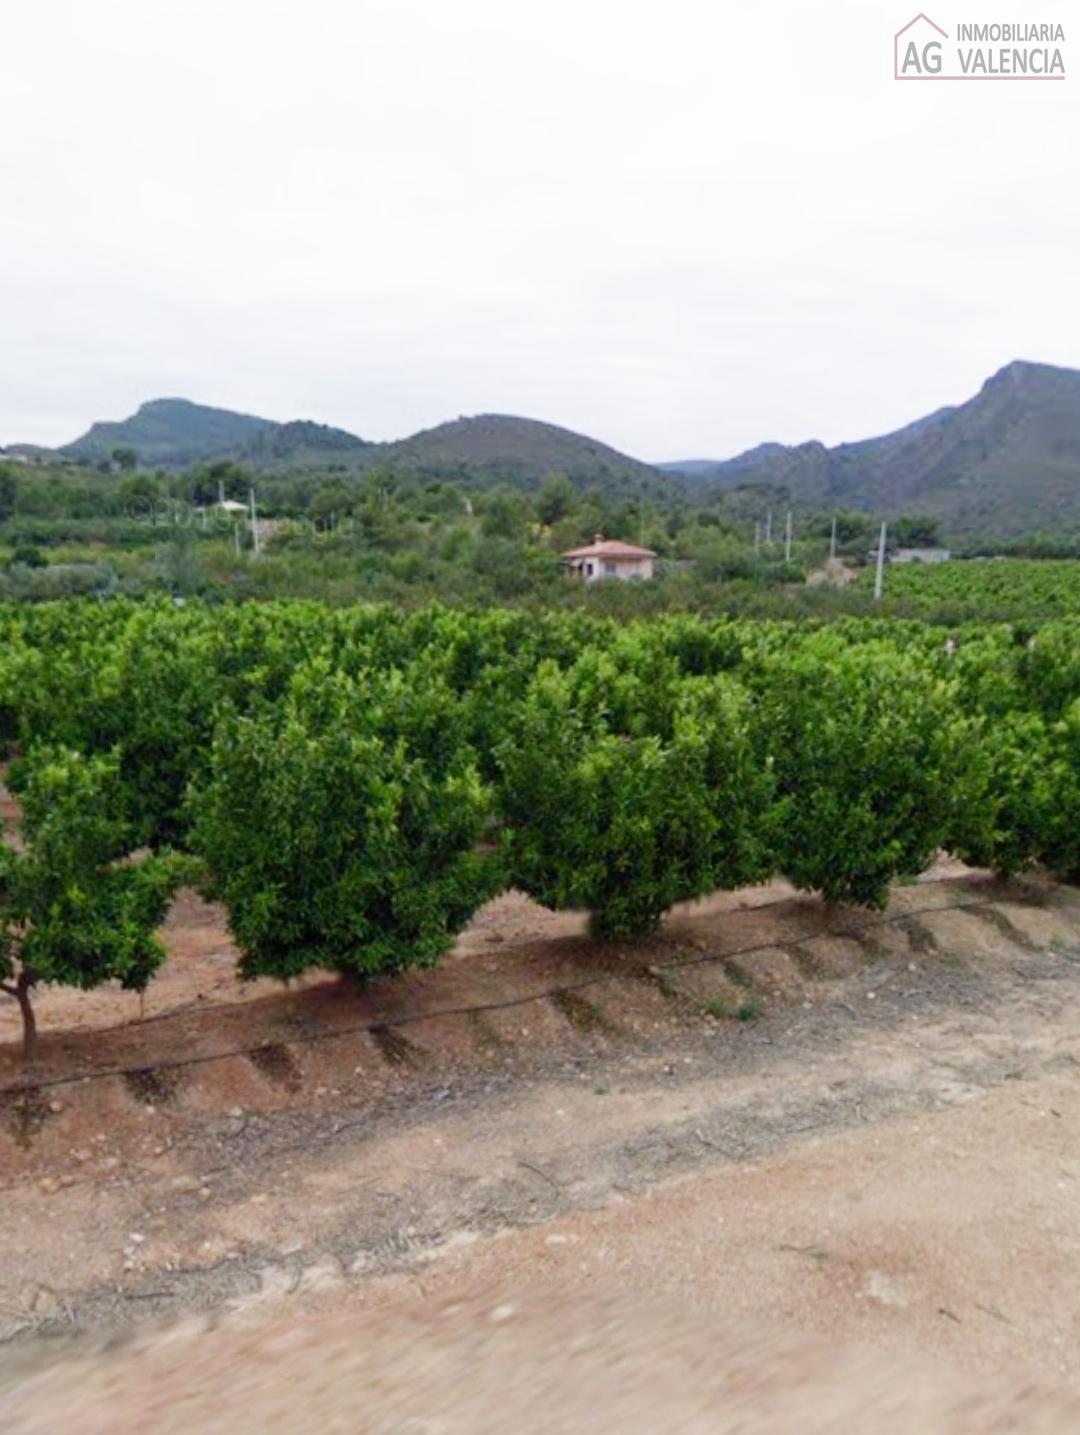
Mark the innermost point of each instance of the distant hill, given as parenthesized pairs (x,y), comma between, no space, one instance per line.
(173,433)
(302,444)
(1006,462)
(170,433)
(517,450)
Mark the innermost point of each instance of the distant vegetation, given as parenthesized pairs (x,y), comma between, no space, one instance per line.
(478,510)
(1001,466)
(381,534)
(983,588)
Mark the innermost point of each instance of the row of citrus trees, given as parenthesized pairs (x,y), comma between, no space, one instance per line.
(354,784)
(999,587)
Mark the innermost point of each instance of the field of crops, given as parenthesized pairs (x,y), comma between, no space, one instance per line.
(354,784)
(987,588)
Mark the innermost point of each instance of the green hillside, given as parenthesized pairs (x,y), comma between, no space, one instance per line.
(170,433)
(302,444)
(175,433)
(521,451)
(1006,462)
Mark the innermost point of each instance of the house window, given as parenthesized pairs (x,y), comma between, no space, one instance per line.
(589,569)
(609,567)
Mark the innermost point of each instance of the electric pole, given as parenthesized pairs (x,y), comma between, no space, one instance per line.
(879,579)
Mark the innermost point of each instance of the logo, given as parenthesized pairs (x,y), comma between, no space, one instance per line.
(1028,50)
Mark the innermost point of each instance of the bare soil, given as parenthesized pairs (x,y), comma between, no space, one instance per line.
(549,1169)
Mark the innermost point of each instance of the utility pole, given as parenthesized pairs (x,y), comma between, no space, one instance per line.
(879,580)
(832,541)
(254,528)
(787,538)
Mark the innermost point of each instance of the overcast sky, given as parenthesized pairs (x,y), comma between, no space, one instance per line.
(682,227)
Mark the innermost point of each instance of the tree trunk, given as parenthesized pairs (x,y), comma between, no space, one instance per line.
(26,1008)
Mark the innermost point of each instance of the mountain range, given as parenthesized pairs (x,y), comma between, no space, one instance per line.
(175,433)
(1006,462)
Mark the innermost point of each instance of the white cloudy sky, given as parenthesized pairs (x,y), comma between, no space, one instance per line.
(684,227)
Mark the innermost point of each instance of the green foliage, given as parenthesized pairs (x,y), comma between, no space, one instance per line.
(873,761)
(622,809)
(360,779)
(555,499)
(341,828)
(505,512)
(332,501)
(9,491)
(1015,822)
(986,589)
(1061,851)
(915,530)
(43,583)
(26,556)
(73,909)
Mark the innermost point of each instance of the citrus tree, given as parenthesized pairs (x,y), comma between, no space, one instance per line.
(874,761)
(342,828)
(626,824)
(75,908)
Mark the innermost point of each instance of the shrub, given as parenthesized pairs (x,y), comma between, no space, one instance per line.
(625,824)
(1015,822)
(72,910)
(874,761)
(26,556)
(341,828)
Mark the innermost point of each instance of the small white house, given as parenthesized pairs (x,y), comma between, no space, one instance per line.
(608,558)
(921,555)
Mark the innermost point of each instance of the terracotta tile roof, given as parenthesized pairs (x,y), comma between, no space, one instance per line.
(610,548)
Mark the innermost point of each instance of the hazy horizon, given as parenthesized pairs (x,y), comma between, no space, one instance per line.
(683,235)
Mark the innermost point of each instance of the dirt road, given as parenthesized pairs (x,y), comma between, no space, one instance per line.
(594,1206)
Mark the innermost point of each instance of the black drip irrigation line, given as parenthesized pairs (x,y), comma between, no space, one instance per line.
(28,1085)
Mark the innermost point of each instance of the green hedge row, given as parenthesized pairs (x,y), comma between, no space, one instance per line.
(357,783)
